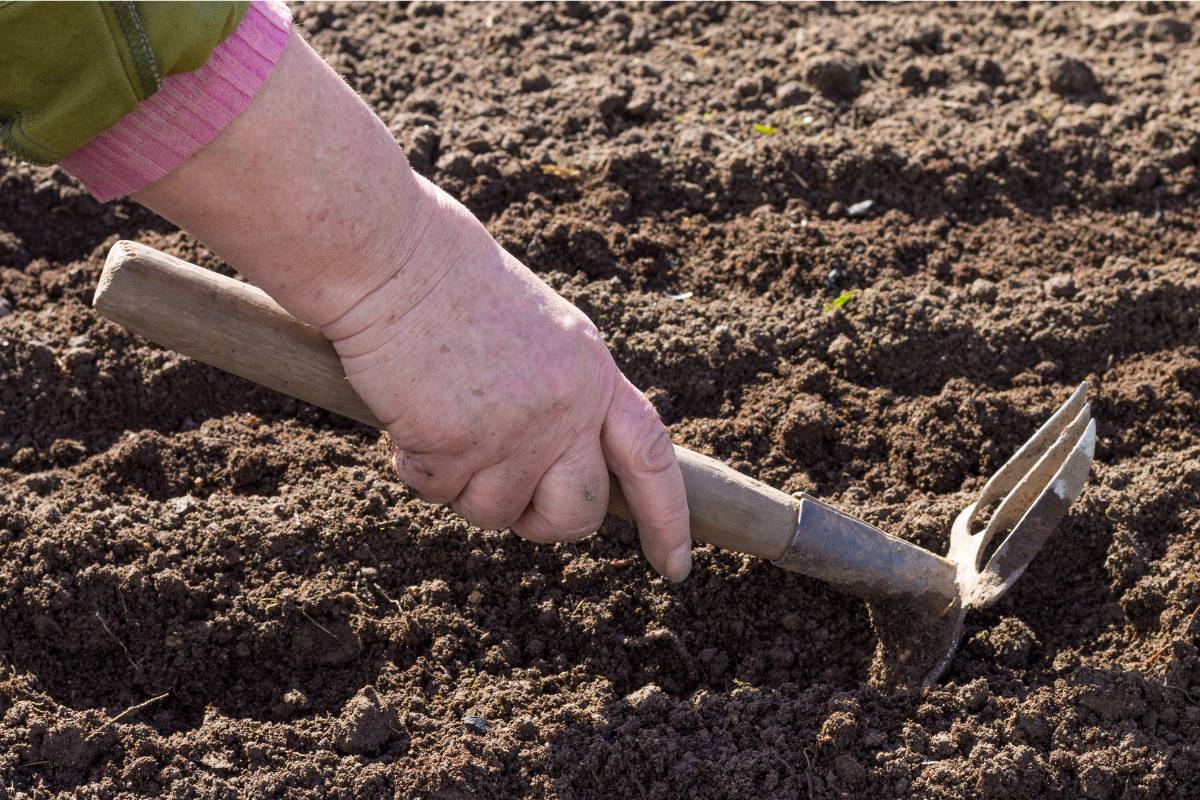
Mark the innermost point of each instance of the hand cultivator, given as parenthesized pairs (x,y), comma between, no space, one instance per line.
(918,599)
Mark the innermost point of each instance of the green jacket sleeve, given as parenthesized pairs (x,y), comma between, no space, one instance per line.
(69,71)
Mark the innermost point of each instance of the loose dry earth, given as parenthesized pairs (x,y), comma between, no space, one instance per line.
(1011,190)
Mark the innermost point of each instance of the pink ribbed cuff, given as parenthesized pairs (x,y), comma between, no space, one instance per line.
(187,112)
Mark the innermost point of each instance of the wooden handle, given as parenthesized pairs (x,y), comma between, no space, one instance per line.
(240,329)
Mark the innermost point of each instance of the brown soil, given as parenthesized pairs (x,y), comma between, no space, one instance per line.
(286,621)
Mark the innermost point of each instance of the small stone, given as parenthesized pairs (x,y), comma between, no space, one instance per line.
(835,77)
(476,724)
(535,80)
(1070,77)
(183,505)
(475,597)
(860,209)
(1061,286)
(983,290)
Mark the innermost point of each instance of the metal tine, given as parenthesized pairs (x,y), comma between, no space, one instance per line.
(1034,482)
(1018,548)
(1016,467)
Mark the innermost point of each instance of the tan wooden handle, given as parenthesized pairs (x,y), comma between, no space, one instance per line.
(240,329)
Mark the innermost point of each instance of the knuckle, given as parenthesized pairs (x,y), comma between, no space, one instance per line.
(588,355)
(652,449)
(591,338)
(417,477)
(414,468)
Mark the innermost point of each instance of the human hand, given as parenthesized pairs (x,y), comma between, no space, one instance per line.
(499,396)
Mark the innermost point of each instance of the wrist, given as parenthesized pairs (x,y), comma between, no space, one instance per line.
(402,269)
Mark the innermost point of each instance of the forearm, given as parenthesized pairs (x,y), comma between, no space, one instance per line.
(305,193)
(499,396)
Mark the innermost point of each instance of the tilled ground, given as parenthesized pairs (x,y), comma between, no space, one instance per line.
(1010,191)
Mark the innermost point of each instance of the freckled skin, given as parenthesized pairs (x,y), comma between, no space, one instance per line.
(499,396)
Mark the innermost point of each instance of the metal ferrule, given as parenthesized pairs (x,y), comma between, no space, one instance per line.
(864,561)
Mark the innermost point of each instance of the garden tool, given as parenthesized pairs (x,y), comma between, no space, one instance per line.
(918,599)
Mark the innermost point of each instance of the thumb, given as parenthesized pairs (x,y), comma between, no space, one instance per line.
(639,453)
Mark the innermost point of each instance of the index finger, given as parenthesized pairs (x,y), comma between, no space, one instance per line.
(640,455)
